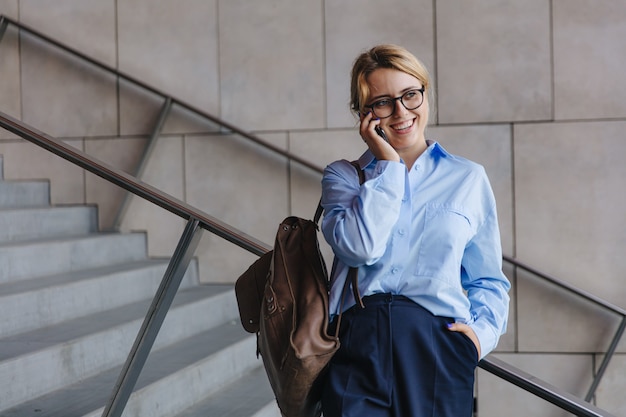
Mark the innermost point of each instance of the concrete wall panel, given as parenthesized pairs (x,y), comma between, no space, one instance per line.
(85,25)
(569,208)
(354,26)
(493,61)
(10,97)
(550,319)
(60,95)
(271,64)
(253,200)
(65,97)
(9,8)
(589,59)
(173,45)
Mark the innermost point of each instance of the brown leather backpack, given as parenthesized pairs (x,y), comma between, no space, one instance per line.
(283,297)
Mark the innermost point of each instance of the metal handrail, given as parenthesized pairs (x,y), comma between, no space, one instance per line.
(197,218)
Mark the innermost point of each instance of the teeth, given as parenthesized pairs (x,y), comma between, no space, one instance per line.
(404,125)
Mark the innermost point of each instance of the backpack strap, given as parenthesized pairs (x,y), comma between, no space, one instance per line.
(353,273)
(359,171)
(318,213)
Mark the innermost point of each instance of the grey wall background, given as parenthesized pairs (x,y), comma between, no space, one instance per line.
(534,90)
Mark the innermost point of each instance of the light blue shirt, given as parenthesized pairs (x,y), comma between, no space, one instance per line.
(430,234)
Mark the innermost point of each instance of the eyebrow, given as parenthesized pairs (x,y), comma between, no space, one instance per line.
(388,95)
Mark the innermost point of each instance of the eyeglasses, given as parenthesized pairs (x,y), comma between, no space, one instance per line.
(385,107)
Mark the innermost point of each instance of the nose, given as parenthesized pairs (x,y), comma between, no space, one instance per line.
(399,108)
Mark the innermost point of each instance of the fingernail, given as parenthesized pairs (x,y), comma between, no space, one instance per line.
(449,325)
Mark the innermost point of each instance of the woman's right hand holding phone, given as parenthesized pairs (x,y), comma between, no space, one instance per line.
(377,142)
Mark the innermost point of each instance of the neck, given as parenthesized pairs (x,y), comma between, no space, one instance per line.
(409,156)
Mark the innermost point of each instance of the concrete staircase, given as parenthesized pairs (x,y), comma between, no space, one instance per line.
(71,303)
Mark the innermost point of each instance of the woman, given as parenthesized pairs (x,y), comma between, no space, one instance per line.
(423,231)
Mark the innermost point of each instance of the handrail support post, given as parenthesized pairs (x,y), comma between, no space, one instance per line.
(607,358)
(154,319)
(3,27)
(141,166)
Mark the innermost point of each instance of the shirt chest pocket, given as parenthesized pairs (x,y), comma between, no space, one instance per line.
(446,232)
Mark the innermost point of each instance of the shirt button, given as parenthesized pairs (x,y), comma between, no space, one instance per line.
(394,270)
(401,232)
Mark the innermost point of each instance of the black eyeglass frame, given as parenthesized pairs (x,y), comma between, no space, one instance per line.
(394,100)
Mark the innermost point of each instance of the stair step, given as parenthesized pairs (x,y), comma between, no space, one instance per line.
(30,304)
(41,361)
(248,396)
(42,257)
(24,194)
(172,375)
(45,222)
(72,301)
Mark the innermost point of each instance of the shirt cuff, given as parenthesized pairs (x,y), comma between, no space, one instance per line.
(486,336)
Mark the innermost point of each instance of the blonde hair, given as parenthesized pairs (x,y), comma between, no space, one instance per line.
(383,56)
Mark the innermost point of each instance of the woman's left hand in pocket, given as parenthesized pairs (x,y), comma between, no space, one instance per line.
(468,331)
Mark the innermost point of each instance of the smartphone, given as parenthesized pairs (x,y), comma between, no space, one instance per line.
(381,133)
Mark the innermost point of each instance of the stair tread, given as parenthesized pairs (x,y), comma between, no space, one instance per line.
(24,193)
(59,239)
(49,255)
(32,341)
(46,208)
(241,398)
(10,211)
(30,223)
(33,284)
(92,393)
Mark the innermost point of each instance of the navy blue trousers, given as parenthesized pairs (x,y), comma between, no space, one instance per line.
(398,360)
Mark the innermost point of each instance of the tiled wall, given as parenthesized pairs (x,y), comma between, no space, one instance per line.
(533,90)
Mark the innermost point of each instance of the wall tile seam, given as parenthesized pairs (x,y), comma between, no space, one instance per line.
(117,66)
(516,337)
(324,65)
(435,64)
(552,65)
(218,51)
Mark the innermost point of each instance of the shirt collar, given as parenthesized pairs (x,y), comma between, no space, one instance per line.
(434,150)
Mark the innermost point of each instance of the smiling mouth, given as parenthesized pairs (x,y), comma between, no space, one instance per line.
(404,126)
